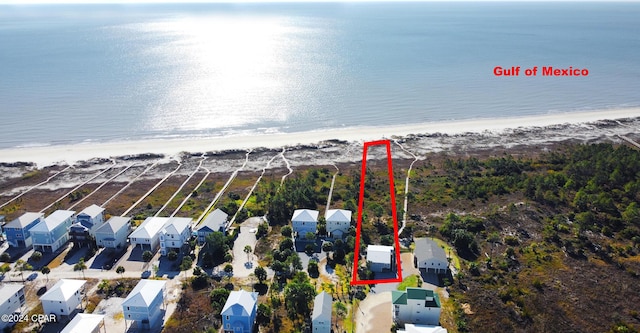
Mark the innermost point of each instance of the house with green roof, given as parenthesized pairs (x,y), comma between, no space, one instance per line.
(416,306)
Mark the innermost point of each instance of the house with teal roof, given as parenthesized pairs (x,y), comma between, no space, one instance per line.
(416,306)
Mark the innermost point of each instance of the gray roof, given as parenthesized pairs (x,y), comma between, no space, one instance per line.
(144,293)
(24,220)
(114,224)
(63,290)
(426,249)
(53,221)
(92,211)
(214,221)
(240,303)
(322,306)
(305,215)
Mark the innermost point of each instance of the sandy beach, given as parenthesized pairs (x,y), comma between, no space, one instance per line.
(47,155)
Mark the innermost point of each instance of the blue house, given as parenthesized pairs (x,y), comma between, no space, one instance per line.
(87,222)
(144,304)
(53,232)
(216,221)
(239,312)
(18,231)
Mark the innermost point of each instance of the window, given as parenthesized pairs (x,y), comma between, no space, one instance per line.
(227,318)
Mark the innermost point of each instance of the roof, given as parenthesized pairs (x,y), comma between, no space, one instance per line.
(322,306)
(177,225)
(52,221)
(9,289)
(338,215)
(305,215)
(240,303)
(144,293)
(83,323)
(149,228)
(214,221)
(401,297)
(63,290)
(427,249)
(411,328)
(92,211)
(113,225)
(24,220)
(379,253)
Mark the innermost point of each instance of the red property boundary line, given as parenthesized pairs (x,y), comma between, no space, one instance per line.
(394,215)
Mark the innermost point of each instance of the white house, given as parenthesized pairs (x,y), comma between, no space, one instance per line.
(144,303)
(53,232)
(304,221)
(113,234)
(338,222)
(18,231)
(174,234)
(411,328)
(239,312)
(147,235)
(321,316)
(215,221)
(11,300)
(381,258)
(430,256)
(416,306)
(63,298)
(85,323)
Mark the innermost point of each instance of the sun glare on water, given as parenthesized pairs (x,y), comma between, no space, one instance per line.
(225,71)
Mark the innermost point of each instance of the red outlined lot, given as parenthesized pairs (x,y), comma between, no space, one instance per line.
(356,256)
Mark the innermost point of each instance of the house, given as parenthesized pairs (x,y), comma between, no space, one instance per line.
(53,232)
(416,306)
(175,233)
(18,231)
(144,303)
(321,316)
(85,323)
(147,235)
(304,221)
(430,256)
(338,222)
(411,328)
(87,222)
(11,300)
(381,258)
(215,221)
(113,234)
(239,312)
(63,298)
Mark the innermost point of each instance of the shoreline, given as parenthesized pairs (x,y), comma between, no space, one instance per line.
(71,153)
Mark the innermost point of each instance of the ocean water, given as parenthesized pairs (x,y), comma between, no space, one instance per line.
(81,73)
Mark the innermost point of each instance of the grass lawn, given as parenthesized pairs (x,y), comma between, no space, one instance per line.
(409,281)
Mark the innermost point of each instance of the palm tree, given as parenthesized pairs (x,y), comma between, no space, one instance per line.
(23,266)
(248,250)
(120,270)
(80,266)
(46,270)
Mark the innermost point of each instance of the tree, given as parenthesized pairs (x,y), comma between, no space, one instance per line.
(5,257)
(261,274)
(216,248)
(286,243)
(312,269)
(186,263)
(248,250)
(327,247)
(120,270)
(147,256)
(80,266)
(310,236)
(22,266)
(263,314)
(36,256)
(298,294)
(309,249)
(286,231)
(218,298)
(263,229)
(172,255)
(228,268)
(45,270)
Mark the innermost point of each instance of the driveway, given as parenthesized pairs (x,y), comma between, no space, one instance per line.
(243,264)
(374,314)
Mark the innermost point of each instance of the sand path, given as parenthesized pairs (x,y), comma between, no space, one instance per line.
(374,314)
